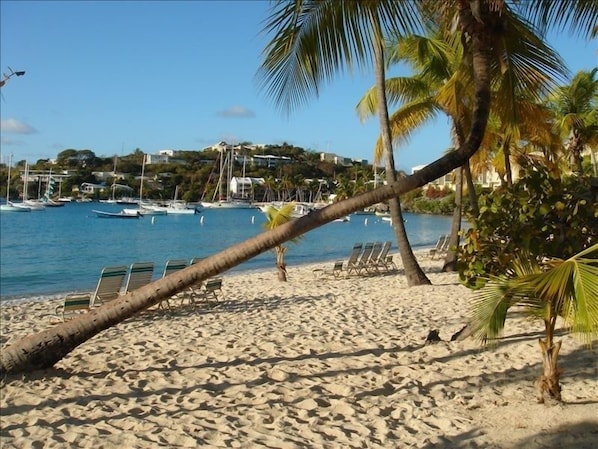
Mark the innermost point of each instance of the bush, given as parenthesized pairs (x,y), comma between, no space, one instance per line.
(540,215)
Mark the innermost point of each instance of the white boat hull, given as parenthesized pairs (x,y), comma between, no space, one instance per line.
(227,205)
(14,208)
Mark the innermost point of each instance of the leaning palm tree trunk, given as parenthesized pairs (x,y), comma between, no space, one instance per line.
(44,349)
(413,272)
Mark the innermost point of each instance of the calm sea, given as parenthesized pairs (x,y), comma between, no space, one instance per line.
(60,250)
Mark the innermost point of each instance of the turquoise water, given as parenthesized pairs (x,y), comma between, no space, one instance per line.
(63,249)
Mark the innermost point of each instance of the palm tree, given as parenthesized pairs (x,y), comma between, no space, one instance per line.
(576,109)
(442,84)
(316,39)
(274,218)
(559,288)
(44,349)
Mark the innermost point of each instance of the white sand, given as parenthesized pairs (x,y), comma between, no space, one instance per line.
(305,364)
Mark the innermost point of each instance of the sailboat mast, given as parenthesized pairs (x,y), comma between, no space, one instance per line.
(8,181)
(114,180)
(229,172)
(142,175)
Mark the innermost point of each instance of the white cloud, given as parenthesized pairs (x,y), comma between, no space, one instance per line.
(14,126)
(237,111)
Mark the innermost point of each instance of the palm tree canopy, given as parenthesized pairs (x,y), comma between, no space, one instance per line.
(276,217)
(576,105)
(314,40)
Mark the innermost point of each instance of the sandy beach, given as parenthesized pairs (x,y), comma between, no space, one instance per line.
(316,362)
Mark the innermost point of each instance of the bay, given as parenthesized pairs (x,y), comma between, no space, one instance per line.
(61,250)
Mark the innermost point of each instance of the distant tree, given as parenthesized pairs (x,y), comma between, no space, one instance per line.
(274,218)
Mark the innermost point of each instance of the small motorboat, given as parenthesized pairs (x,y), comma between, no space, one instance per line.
(121,214)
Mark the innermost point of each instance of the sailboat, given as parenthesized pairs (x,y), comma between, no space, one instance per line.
(47,198)
(9,206)
(176,206)
(112,199)
(34,205)
(226,201)
(143,208)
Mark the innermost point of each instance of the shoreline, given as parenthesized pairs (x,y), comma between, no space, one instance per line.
(314,362)
(235,271)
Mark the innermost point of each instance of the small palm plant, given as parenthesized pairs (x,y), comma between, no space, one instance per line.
(276,217)
(556,288)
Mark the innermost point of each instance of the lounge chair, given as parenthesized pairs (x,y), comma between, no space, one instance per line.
(354,257)
(211,290)
(140,274)
(335,272)
(363,259)
(172,266)
(371,263)
(108,288)
(384,261)
(74,304)
(442,240)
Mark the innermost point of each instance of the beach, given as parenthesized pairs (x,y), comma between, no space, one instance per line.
(316,362)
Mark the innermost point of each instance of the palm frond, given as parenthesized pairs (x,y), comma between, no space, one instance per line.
(581,16)
(314,40)
(276,217)
(568,288)
(489,310)
(398,90)
(572,287)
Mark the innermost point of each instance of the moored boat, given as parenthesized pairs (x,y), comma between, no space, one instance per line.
(121,214)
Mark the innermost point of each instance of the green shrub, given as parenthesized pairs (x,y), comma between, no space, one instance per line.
(541,215)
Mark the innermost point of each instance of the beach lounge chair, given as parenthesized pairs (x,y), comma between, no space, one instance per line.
(442,240)
(383,261)
(211,290)
(335,272)
(74,304)
(362,261)
(172,266)
(354,257)
(140,274)
(388,261)
(371,263)
(108,288)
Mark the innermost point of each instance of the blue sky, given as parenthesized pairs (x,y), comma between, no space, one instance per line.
(115,76)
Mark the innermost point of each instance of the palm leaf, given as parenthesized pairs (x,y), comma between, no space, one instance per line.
(276,217)
(314,40)
(568,288)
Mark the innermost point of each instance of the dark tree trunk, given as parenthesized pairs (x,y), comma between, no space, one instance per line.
(473,197)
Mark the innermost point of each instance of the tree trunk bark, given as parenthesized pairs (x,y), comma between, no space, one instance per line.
(413,272)
(473,197)
(450,261)
(549,382)
(506,149)
(280,265)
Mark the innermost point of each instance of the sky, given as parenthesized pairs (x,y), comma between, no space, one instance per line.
(114,76)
